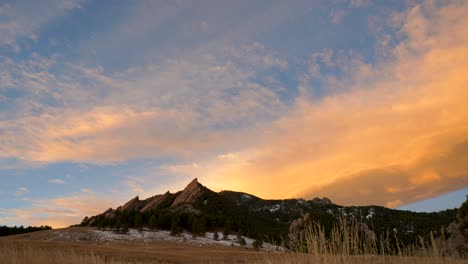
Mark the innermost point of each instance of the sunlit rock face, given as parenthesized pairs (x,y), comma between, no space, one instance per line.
(190,194)
(155,201)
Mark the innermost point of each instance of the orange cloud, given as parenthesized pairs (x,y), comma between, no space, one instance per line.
(402,123)
(106,135)
(59,212)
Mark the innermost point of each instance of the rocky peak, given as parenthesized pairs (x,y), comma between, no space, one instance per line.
(189,195)
(133,204)
(108,212)
(155,201)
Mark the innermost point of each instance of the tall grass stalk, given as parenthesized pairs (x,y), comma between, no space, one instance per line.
(349,243)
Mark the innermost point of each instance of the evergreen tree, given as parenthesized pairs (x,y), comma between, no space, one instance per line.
(175,225)
(153,221)
(118,225)
(138,220)
(196,227)
(225,233)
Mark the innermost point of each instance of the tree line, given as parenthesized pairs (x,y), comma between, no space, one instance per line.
(16,230)
(195,222)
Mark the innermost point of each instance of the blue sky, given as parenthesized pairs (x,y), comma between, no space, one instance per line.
(357,100)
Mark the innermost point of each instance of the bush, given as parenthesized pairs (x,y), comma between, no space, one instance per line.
(241,241)
(124,228)
(257,244)
(225,233)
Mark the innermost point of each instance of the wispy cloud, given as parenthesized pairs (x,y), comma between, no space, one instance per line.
(401,126)
(360,3)
(56,181)
(86,190)
(22,20)
(21,191)
(211,97)
(337,15)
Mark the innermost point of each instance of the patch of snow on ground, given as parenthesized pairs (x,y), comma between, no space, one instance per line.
(275,208)
(410,230)
(342,211)
(246,197)
(148,236)
(370,214)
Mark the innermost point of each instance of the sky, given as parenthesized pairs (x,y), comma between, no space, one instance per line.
(364,102)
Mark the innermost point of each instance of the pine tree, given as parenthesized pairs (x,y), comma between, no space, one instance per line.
(196,229)
(175,225)
(153,221)
(225,233)
(138,221)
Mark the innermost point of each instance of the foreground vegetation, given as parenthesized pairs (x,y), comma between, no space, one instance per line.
(23,254)
(346,243)
(18,253)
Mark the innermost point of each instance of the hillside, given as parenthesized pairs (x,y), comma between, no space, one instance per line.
(198,209)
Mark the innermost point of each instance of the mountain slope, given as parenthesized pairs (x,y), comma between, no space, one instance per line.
(197,209)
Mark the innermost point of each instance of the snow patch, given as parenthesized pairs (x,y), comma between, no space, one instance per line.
(370,214)
(147,236)
(246,197)
(275,208)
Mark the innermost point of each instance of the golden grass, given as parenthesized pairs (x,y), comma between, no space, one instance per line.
(347,243)
(21,253)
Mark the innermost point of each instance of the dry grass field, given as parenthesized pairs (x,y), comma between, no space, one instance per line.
(63,252)
(14,252)
(346,245)
(34,249)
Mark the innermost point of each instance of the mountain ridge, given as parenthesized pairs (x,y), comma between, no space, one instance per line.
(197,208)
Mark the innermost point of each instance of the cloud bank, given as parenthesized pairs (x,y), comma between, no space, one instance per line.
(397,132)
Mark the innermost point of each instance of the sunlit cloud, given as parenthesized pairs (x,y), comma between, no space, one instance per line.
(213,97)
(395,135)
(58,212)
